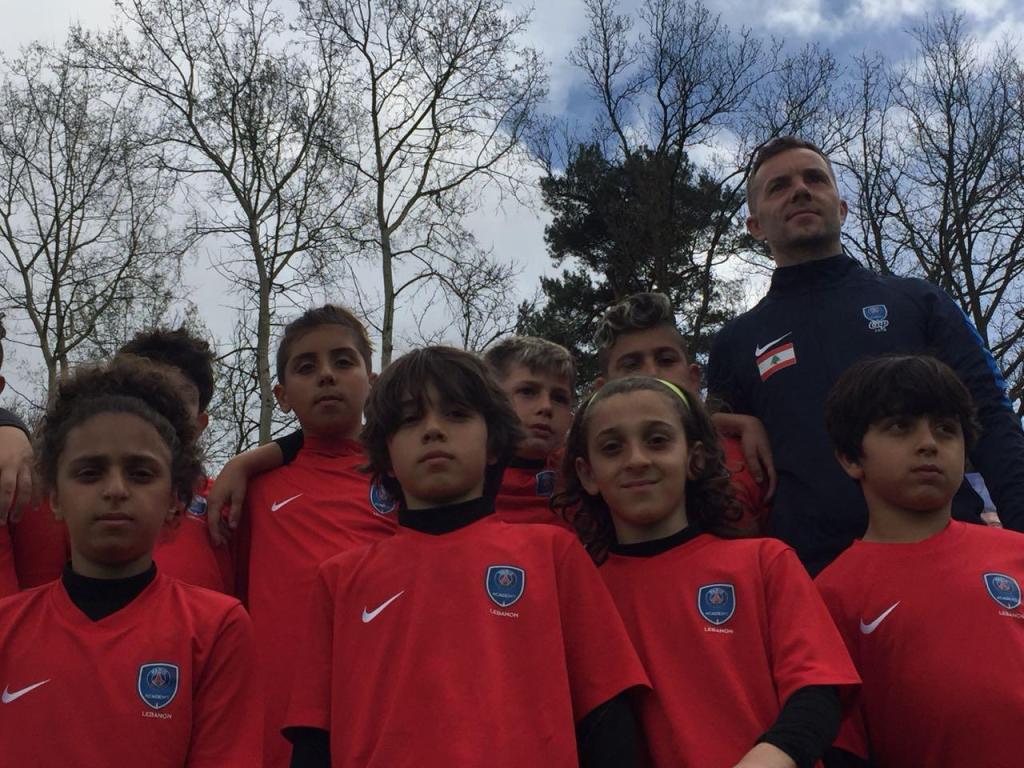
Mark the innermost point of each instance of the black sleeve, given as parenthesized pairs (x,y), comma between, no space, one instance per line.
(311,747)
(723,387)
(11,419)
(807,724)
(290,445)
(607,736)
(840,758)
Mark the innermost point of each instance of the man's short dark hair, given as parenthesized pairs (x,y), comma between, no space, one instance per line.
(637,312)
(777,146)
(329,314)
(459,377)
(179,349)
(879,388)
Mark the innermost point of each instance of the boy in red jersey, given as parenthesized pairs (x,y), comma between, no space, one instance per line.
(115,663)
(183,550)
(638,337)
(321,504)
(539,378)
(462,640)
(929,607)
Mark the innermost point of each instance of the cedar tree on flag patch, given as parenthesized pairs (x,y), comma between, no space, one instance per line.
(774,360)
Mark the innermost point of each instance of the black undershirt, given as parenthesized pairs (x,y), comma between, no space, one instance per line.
(605,738)
(809,720)
(99,598)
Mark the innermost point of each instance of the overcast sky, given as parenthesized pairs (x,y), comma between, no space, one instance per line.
(517,232)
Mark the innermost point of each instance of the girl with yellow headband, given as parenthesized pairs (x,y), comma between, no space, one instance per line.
(746,664)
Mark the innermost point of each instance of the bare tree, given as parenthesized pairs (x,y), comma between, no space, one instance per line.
(443,92)
(245,114)
(84,241)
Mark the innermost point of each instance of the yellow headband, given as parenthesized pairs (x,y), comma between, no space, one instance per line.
(674,388)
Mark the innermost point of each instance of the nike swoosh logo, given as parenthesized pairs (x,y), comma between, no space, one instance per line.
(278,504)
(8,697)
(867,629)
(369,616)
(758,351)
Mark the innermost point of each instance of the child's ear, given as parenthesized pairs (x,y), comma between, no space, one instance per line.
(850,466)
(599,382)
(372,378)
(696,461)
(586,477)
(282,398)
(202,421)
(176,506)
(3,383)
(55,506)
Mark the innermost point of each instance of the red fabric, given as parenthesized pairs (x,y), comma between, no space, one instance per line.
(524,495)
(8,574)
(443,675)
(89,711)
(718,687)
(296,517)
(746,490)
(944,670)
(185,551)
(41,547)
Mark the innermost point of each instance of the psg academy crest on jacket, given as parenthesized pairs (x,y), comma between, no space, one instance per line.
(381,500)
(505,584)
(716,602)
(1003,589)
(158,683)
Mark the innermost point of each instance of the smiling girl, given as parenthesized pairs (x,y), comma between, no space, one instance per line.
(114,663)
(743,657)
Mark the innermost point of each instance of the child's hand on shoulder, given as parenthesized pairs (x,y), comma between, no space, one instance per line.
(766,756)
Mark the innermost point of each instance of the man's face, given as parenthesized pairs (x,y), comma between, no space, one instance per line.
(795,207)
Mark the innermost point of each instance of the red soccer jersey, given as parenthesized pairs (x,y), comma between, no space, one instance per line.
(296,517)
(746,490)
(165,682)
(185,551)
(41,548)
(937,631)
(525,494)
(728,630)
(482,646)
(8,575)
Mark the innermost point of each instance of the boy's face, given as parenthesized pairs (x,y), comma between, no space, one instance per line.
(910,463)
(325,382)
(113,491)
(439,454)
(653,352)
(189,392)
(543,403)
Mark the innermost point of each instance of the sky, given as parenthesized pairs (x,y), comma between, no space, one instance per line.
(516,231)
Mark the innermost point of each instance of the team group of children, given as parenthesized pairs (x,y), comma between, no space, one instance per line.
(417,569)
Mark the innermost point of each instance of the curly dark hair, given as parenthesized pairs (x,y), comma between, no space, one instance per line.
(709,501)
(127,384)
(882,387)
(179,349)
(460,378)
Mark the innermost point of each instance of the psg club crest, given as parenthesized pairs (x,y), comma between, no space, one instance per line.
(545,482)
(876,316)
(158,683)
(505,584)
(197,507)
(716,602)
(1003,589)
(381,500)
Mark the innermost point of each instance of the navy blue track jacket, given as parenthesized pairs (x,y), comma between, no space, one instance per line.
(779,360)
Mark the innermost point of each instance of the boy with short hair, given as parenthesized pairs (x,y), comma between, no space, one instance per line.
(929,607)
(539,378)
(462,640)
(639,336)
(319,505)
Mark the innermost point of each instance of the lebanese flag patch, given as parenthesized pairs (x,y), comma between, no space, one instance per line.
(775,359)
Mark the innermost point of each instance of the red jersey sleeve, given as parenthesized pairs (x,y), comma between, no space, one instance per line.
(748,493)
(310,703)
(600,657)
(805,645)
(227,711)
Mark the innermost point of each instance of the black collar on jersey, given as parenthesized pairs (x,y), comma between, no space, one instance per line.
(657,546)
(516,463)
(98,598)
(451,517)
(812,273)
